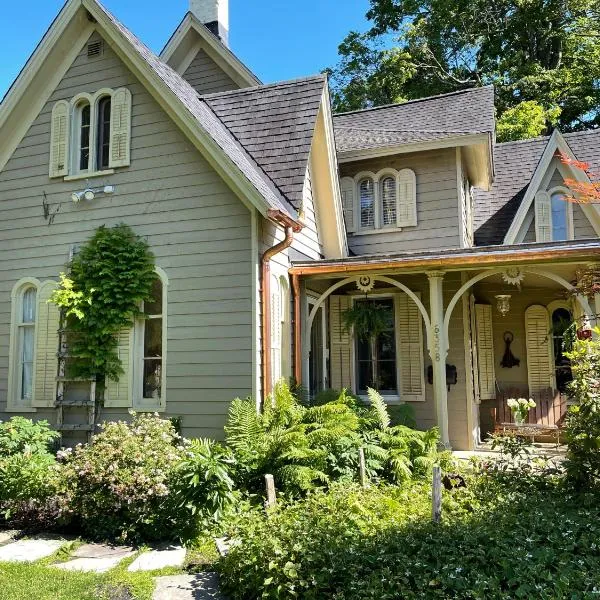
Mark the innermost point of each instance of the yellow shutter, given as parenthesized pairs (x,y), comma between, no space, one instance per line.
(538,339)
(120,128)
(347,188)
(59,139)
(406,213)
(275,330)
(46,350)
(409,329)
(340,356)
(118,394)
(485,351)
(543,217)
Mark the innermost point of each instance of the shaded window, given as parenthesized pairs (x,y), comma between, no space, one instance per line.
(103,134)
(26,337)
(84,136)
(562,320)
(559,217)
(388,201)
(366,191)
(153,343)
(376,362)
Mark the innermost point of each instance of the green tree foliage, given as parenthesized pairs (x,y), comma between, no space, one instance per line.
(108,280)
(545,51)
(525,120)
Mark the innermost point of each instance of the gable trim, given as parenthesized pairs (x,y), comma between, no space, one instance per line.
(556,143)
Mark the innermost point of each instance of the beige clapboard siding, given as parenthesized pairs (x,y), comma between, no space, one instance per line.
(437,204)
(206,76)
(198,229)
(307,241)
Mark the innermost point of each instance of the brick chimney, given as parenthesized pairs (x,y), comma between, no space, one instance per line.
(215,15)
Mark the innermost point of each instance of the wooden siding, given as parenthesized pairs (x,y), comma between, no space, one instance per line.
(437,204)
(198,229)
(207,77)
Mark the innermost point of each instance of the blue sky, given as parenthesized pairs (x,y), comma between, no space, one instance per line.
(277,39)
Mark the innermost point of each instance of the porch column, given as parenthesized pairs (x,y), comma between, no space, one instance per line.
(597,310)
(438,350)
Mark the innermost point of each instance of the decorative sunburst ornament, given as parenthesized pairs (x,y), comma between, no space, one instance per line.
(513,276)
(365,284)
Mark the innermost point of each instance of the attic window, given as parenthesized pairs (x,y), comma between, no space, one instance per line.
(94,49)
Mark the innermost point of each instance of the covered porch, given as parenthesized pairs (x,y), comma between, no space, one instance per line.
(443,349)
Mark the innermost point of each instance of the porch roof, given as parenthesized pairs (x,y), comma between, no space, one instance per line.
(580,250)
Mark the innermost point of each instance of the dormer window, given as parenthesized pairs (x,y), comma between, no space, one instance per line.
(383,200)
(553,216)
(91,134)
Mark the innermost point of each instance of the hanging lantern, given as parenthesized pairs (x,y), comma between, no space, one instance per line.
(503,303)
(584,334)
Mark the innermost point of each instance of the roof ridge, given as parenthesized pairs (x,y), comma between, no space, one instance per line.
(254,88)
(415,100)
(377,129)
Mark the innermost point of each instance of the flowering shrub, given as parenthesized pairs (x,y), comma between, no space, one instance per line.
(520,407)
(120,485)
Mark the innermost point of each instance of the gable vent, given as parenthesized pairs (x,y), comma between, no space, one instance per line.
(94,49)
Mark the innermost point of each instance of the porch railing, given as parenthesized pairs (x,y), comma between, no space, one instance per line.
(550,407)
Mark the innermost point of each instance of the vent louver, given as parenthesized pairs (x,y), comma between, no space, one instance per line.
(94,49)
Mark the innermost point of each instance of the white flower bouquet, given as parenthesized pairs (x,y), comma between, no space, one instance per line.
(520,408)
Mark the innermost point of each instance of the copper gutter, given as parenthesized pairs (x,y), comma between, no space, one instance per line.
(297,330)
(290,226)
(474,259)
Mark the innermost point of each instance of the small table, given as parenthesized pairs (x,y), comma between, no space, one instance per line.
(532,430)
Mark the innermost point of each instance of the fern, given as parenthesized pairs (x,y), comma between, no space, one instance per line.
(244,427)
(379,409)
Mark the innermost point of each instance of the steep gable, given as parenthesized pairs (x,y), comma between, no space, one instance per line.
(206,77)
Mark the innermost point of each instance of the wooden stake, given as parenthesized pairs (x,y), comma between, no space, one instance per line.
(362,468)
(271,496)
(436,496)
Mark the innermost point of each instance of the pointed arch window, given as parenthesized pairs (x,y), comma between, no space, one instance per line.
(83,129)
(389,200)
(366,192)
(103,134)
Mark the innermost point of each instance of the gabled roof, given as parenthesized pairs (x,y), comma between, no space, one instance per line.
(275,124)
(516,163)
(463,113)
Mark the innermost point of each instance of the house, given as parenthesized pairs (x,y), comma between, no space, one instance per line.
(269,217)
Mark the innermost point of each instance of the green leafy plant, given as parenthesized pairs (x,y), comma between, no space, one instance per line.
(108,279)
(19,435)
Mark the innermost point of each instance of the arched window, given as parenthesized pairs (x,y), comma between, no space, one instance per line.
(103,134)
(388,201)
(560,222)
(83,122)
(562,320)
(366,190)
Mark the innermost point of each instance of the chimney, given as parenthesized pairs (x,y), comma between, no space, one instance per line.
(214,14)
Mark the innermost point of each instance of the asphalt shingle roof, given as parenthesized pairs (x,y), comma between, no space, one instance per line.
(428,119)
(515,164)
(275,124)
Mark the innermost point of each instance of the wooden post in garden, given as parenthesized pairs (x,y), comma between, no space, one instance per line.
(271,496)
(362,468)
(436,496)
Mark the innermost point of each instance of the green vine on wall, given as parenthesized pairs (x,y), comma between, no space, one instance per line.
(108,280)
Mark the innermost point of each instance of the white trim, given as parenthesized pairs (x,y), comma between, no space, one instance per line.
(84,175)
(311,300)
(461,199)
(12,401)
(189,59)
(255,261)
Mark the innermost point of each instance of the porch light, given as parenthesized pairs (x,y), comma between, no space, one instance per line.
(503,303)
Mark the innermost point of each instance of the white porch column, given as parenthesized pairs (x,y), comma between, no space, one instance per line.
(438,350)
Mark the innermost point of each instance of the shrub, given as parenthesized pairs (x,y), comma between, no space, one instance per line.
(121,483)
(20,435)
(583,420)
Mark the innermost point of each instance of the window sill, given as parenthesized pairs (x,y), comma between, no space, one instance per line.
(373,231)
(80,176)
(140,406)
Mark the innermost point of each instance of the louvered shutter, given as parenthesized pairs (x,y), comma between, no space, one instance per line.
(120,128)
(485,351)
(340,355)
(406,213)
(118,394)
(59,139)
(46,351)
(275,330)
(347,189)
(538,339)
(410,350)
(543,217)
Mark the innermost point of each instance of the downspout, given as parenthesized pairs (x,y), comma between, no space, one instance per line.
(297,330)
(290,227)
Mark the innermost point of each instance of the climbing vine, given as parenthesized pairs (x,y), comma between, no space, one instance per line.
(101,295)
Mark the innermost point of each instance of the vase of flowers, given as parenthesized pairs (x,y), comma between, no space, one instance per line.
(520,409)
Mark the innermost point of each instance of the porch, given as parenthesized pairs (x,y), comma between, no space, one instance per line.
(444,350)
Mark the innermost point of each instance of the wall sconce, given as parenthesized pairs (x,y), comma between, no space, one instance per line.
(90,193)
(503,303)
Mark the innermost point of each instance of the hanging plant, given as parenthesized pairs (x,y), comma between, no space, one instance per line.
(368,320)
(107,282)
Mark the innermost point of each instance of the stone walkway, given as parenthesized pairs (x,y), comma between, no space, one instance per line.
(100,558)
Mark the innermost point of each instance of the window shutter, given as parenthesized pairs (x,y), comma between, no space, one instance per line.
(406,213)
(275,330)
(120,128)
(485,351)
(347,188)
(59,140)
(543,217)
(46,352)
(118,394)
(340,357)
(410,350)
(540,368)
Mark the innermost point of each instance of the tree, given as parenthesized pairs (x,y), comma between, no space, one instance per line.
(542,51)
